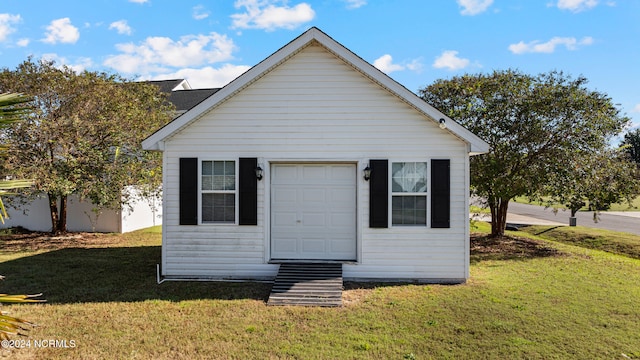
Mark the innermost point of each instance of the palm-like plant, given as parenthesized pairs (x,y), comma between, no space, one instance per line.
(10,325)
(10,112)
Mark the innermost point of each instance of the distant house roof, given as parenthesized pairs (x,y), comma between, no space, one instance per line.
(171,85)
(181,95)
(186,99)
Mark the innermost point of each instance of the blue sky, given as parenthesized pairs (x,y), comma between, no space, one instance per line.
(416,42)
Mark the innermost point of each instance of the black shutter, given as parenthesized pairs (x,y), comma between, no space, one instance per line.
(379,194)
(440,193)
(248,196)
(188,193)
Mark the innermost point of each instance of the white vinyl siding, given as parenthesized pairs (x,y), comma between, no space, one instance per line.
(316,108)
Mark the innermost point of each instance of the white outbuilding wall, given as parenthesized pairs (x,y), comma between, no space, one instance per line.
(81,217)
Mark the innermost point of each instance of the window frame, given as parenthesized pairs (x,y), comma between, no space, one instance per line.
(201,193)
(426,193)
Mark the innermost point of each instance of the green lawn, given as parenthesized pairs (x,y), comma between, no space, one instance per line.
(634,206)
(533,299)
(610,241)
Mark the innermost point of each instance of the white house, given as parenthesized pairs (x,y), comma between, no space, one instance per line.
(315,155)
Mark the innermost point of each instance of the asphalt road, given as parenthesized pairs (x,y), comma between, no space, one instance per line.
(629,222)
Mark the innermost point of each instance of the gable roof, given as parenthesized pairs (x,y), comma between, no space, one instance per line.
(156,140)
(186,99)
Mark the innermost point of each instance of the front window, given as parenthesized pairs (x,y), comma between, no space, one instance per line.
(218,185)
(409,193)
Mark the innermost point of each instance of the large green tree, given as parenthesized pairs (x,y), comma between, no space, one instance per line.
(536,125)
(83,136)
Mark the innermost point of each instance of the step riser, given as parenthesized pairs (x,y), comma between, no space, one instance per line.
(308,285)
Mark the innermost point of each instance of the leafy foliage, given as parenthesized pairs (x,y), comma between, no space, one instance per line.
(83,135)
(631,145)
(536,125)
(597,180)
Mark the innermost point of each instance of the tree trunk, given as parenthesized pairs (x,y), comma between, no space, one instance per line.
(499,209)
(53,211)
(58,215)
(62,219)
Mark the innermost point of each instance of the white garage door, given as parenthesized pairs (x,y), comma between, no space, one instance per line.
(313,211)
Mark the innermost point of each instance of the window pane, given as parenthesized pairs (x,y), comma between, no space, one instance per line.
(230,208)
(219,208)
(409,177)
(229,167)
(207,182)
(207,168)
(218,182)
(409,210)
(396,217)
(218,168)
(229,182)
(207,207)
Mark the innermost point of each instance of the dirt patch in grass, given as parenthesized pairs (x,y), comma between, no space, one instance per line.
(484,247)
(38,241)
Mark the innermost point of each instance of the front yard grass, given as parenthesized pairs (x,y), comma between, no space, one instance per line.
(610,241)
(527,298)
(624,206)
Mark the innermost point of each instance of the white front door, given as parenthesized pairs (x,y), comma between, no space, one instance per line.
(313,211)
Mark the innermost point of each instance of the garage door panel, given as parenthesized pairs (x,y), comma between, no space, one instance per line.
(314,195)
(286,196)
(343,173)
(341,220)
(340,246)
(285,245)
(312,174)
(314,219)
(316,205)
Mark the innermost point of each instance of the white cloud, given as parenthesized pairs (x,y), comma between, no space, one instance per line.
(62,31)
(355,4)
(385,64)
(6,22)
(23,42)
(199,12)
(576,5)
(474,7)
(416,65)
(155,54)
(207,77)
(139,1)
(267,15)
(449,60)
(636,108)
(121,26)
(570,43)
(79,65)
